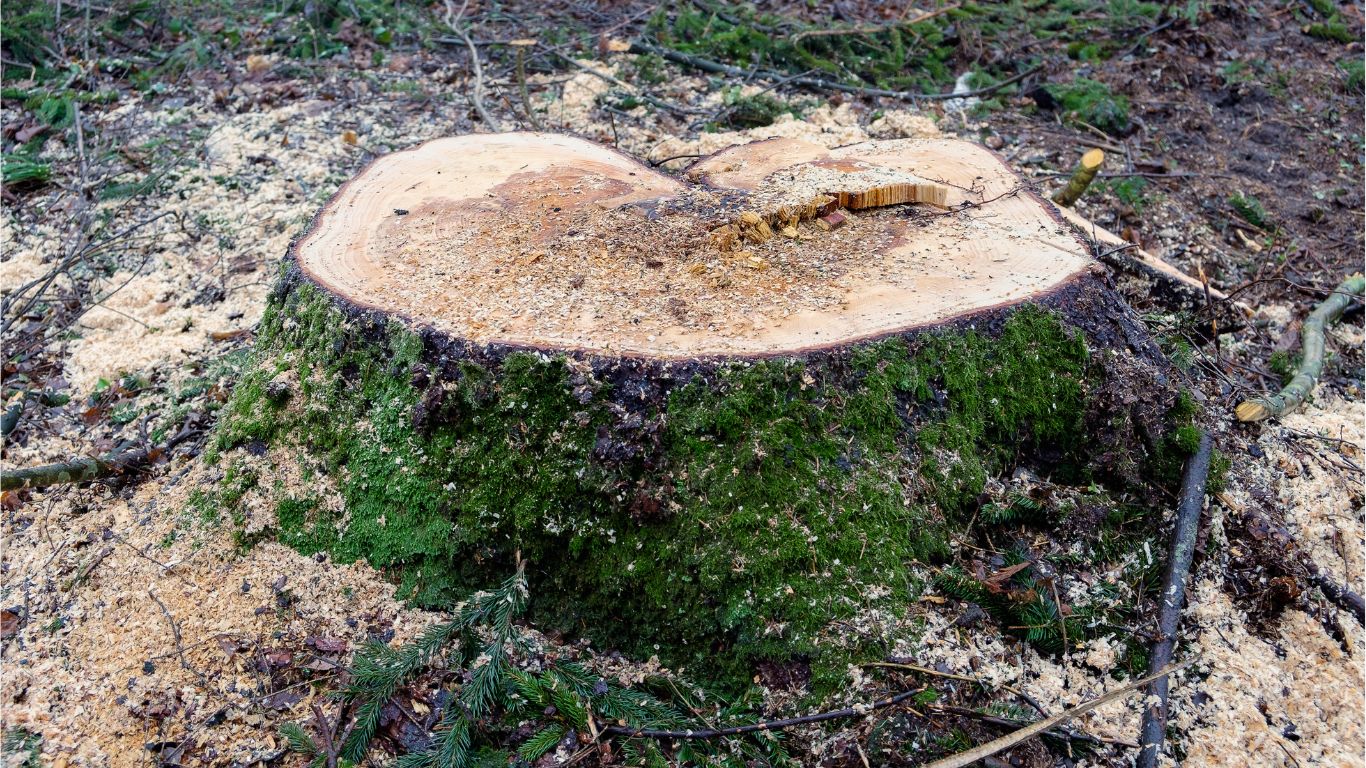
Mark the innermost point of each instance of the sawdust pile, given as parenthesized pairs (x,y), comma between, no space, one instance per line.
(97,666)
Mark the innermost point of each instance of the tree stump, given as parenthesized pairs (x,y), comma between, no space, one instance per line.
(717,414)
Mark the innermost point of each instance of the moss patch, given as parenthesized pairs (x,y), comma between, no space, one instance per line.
(729,516)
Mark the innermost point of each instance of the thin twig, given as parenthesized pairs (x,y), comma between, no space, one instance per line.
(452,20)
(990,748)
(175,633)
(1059,732)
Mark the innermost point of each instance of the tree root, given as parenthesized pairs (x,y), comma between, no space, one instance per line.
(1294,394)
(1192,501)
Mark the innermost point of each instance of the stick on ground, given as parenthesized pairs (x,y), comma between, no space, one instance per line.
(1006,742)
(1192,501)
(1294,394)
(87,468)
(772,725)
(1340,594)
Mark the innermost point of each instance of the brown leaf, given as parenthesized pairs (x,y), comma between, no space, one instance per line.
(9,623)
(996,581)
(24,135)
(282,701)
(329,644)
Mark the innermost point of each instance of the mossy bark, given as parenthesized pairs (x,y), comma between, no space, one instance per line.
(713,512)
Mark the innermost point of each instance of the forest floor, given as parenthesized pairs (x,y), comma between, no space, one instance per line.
(158,161)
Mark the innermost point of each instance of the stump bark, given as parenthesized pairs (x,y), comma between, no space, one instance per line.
(717,414)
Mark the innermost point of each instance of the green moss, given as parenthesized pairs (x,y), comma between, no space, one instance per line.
(734,520)
(1093,103)
(753,111)
(1251,210)
(1334,30)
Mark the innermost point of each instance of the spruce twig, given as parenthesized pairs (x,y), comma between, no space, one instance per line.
(1294,394)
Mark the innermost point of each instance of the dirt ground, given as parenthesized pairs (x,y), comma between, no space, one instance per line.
(136,633)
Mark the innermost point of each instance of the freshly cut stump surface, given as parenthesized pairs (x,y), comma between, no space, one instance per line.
(555,242)
(721,415)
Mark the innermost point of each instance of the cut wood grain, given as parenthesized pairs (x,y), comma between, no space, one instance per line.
(550,241)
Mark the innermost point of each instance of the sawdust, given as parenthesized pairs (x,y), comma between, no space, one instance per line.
(201,272)
(1293,699)
(98,671)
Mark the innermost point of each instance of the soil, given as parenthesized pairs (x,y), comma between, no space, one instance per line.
(136,632)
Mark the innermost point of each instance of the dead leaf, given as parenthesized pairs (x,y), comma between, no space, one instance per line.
(9,624)
(349,137)
(282,701)
(997,580)
(24,135)
(257,63)
(329,644)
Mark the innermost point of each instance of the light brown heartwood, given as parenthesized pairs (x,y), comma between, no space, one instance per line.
(551,241)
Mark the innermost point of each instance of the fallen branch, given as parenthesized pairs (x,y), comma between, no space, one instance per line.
(990,748)
(717,68)
(1341,596)
(1192,501)
(1294,394)
(452,18)
(771,725)
(871,29)
(87,468)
